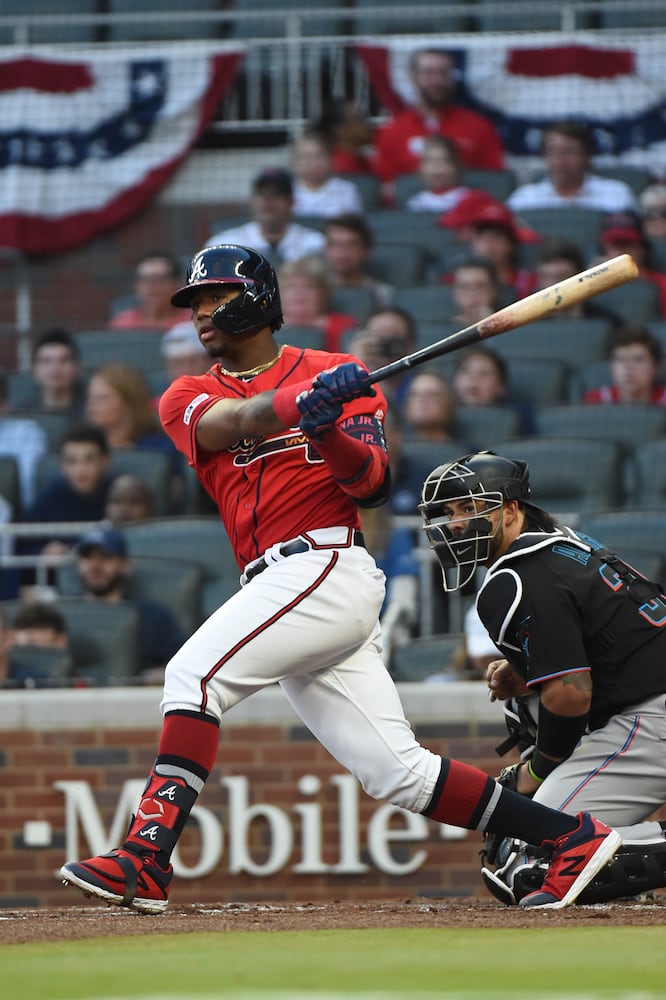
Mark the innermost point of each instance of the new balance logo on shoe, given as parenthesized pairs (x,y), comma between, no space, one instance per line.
(568,873)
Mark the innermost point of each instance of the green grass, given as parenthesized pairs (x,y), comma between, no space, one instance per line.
(584,962)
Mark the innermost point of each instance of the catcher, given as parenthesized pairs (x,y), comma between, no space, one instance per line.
(584,674)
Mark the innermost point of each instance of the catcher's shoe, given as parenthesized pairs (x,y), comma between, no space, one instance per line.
(123,878)
(576,859)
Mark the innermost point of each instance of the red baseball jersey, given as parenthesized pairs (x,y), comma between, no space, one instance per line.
(268,489)
(399,143)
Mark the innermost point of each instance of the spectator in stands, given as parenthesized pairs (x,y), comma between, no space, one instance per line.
(305,292)
(481,378)
(388,334)
(489,229)
(430,407)
(350,135)
(398,144)
(652,205)
(480,650)
(78,493)
(272,229)
(475,289)
(622,233)
(129,499)
(558,259)
(36,625)
(104,570)
(634,355)
(157,277)
(56,376)
(317,191)
(568,147)
(440,171)
(120,402)
(349,244)
(182,353)
(24,440)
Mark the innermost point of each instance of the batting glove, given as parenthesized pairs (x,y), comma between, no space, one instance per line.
(320,411)
(345,382)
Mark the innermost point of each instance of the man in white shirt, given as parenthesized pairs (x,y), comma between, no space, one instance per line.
(24,440)
(568,147)
(272,230)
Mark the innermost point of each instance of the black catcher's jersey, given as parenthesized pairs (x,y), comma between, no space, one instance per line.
(559,603)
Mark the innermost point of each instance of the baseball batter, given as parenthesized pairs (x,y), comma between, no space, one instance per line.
(583,635)
(290,444)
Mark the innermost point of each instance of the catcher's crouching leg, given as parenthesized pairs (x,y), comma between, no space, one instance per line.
(636,869)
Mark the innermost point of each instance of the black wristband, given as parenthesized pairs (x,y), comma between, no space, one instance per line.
(557,735)
(539,767)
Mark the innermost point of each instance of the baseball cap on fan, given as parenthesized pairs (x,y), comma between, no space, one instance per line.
(276,179)
(479,209)
(620,229)
(108,540)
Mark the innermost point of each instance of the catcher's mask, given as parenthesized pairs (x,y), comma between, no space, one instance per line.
(461,538)
(258,304)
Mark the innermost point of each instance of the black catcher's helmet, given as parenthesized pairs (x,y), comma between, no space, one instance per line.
(257,306)
(485,479)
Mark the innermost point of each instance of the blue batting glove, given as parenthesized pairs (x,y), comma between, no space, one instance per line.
(320,411)
(346,382)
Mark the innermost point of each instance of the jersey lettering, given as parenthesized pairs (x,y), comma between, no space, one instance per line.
(248,450)
(654,611)
(577,554)
(610,577)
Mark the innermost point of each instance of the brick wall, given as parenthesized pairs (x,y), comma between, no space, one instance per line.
(273,756)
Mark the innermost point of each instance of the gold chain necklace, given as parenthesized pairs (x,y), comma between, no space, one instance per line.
(257,370)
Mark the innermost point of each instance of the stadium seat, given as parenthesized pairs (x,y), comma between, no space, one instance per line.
(635,302)
(391,225)
(399,264)
(201,539)
(630,16)
(302,336)
(358,302)
(628,425)
(10,487)
(136,348)
(539,381)
(569,475)
(588,375)
(426,657)
(369,188)
(395,18)
(175,583)
(644,529)
(313,23)
(567,340)
(426,303)
(497,183)
(54,425)
(492,16)
(40,666)
(51,29)
(649,474)
(104,639)
(483,426)
(582,225)
(156,28)
(636,177)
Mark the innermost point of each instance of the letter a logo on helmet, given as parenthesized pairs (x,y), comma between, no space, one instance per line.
(257,304)
(198,270)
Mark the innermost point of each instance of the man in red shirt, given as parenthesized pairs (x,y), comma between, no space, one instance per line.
(398,144)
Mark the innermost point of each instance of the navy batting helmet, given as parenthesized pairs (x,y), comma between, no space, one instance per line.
(461,539)
(258,304)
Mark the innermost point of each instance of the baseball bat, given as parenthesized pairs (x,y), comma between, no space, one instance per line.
(538,305)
